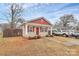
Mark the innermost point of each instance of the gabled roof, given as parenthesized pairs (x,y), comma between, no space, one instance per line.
(40,20)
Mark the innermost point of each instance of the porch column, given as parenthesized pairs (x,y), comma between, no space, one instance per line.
(51,31)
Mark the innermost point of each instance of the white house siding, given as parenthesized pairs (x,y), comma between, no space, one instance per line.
(23,34)
(51,29)
(43,33)
(24,30)
(32,34)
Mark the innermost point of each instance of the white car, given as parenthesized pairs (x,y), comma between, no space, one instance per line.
(75,34)
(55,32)
(62,33)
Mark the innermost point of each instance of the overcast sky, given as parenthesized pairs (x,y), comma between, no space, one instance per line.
(51,12)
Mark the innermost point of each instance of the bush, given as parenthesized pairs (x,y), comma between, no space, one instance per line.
(12,32)
(35,37)
(49,36)
(46,36)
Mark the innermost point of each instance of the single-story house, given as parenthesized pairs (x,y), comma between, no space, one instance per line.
(39,26)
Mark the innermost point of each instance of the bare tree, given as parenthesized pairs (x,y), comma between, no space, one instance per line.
(68,21)
(77,27)
(14,14)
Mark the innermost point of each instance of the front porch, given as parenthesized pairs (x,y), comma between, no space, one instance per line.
(38,30)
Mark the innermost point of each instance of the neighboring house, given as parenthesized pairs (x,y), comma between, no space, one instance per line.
(39,26)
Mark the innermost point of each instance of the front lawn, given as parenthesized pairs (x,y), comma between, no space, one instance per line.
(43,46)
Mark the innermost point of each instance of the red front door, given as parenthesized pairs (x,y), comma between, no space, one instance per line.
(37,30)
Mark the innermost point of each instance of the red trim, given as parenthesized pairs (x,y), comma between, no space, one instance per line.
(40,20)
(37,30)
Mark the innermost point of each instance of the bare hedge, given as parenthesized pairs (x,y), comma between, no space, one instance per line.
(12,32)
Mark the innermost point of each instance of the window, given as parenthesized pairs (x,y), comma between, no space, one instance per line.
(30,28)
(43,29)
(46,29)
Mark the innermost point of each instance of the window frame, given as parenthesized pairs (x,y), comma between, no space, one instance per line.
(30,28)
(43,29)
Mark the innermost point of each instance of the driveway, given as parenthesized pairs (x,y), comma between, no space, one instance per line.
(65,40)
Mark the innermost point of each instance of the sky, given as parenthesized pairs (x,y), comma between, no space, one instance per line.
(51,11)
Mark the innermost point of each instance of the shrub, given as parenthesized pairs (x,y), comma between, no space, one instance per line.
(49,36)
(35,37)
(46,36)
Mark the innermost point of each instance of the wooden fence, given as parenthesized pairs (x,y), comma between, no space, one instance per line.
(12,33)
